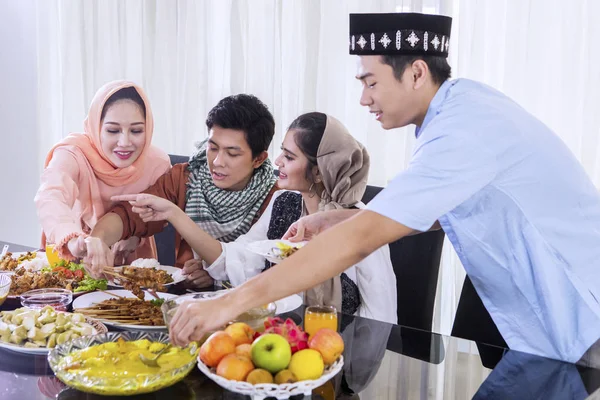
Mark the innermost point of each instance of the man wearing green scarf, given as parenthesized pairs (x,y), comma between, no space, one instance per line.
(223,188)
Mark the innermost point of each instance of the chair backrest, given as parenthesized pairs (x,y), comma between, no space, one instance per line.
(416,262)
(473,322)
(176,159)
(165,240)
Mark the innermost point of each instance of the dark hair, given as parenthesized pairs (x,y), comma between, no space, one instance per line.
(438,66)
(309,128)
(246,113)
(128,93)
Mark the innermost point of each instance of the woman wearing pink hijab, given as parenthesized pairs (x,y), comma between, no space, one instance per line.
(113,156)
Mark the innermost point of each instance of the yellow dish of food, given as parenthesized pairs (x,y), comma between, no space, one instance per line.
(115,367)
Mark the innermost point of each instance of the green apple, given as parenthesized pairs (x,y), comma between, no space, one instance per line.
(271,352)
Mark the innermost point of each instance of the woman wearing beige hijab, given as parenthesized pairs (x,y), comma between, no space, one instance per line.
(321,167)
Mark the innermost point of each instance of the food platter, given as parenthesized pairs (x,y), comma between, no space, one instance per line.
(176,275)
(177,363)
(33,261)
(35,273)
(96,328)
(40,280)
(92,299)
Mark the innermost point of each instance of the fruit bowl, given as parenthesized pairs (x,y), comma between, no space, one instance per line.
(119,386)
(264,390)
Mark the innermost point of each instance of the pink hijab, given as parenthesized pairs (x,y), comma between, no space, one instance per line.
(89,141)
(94,165)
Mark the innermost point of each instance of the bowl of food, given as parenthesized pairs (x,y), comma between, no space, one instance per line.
(10,262)
(59,299)
(254,317)
(116,363)
(35,331)
(5,282)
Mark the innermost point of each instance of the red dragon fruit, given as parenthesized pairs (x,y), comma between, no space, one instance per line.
(296,337)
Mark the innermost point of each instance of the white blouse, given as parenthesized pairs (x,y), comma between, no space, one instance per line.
(374,275)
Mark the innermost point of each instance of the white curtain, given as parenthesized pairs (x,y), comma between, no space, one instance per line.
(542,54)
(292,54)
(189,54)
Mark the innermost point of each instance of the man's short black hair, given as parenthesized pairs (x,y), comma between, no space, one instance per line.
(246,113)
(438,66)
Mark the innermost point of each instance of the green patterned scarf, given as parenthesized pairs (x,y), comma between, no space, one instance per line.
(224,214)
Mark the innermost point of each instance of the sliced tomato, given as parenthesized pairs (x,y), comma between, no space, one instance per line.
(78,274)
(64,271)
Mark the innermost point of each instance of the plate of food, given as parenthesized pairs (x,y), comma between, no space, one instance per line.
(275,251)
(65,275)
(31,261)
(113,363)
(122,309)
(146,273)
(37,331)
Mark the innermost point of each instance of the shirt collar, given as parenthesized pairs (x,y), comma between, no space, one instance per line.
(435,105)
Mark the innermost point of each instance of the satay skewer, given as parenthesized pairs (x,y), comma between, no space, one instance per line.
(113,294)
(115,274)
(153,293)
(100,311)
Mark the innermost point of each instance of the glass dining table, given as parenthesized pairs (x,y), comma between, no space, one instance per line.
(381,361)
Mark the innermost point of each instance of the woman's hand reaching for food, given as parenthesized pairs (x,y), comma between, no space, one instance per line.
(99,255)
(193,319)
(123,248)
(77,246)
(195,275)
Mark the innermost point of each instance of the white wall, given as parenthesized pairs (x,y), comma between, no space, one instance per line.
(19,161)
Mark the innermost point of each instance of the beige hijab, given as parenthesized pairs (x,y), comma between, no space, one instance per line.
(344,165)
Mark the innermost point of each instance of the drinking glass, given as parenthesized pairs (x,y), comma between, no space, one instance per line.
(318,317)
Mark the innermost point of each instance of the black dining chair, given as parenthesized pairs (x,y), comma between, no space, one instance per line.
(473,322)
(416,263)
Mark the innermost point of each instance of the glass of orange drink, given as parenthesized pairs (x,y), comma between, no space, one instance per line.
(51,254)
(317,317)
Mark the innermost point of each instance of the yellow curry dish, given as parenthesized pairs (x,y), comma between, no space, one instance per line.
(116,367)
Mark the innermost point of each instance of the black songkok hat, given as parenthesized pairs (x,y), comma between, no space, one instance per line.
(399,34)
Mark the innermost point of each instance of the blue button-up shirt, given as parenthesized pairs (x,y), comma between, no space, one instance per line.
(518,208)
